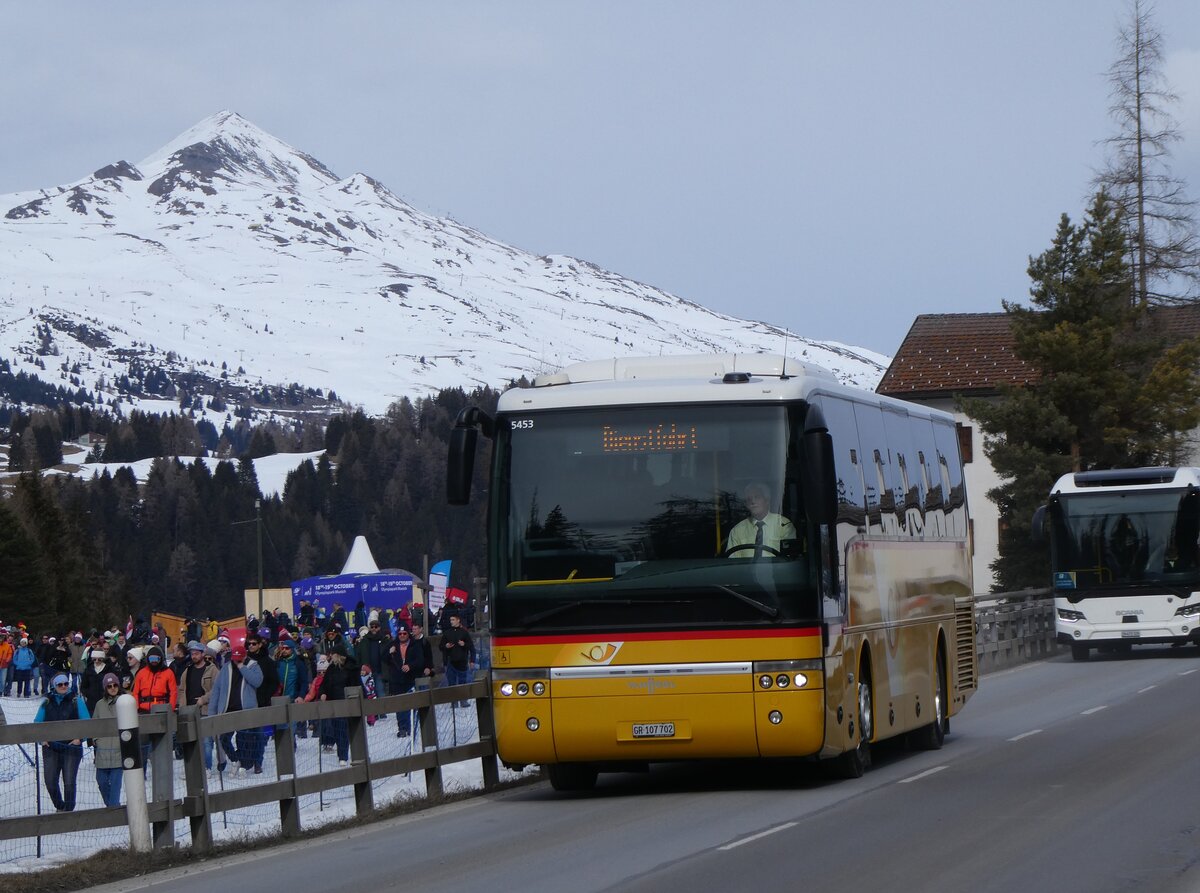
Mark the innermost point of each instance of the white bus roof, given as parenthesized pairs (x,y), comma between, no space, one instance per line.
(702,378)
(1126,479)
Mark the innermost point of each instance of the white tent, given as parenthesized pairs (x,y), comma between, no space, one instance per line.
(360,560)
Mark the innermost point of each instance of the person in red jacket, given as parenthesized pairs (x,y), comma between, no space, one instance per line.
(154,683)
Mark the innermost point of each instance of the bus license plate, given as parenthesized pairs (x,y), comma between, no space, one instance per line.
(654,730)
(1131,634)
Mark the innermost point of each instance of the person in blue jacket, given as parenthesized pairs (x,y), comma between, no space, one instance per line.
(24,660)
(60,759)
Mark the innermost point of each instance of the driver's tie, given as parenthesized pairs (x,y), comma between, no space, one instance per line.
(758,539)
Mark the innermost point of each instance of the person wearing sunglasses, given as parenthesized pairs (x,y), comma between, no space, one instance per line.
(107,750)
(60,759)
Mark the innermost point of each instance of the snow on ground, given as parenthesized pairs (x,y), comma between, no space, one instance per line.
(23,793)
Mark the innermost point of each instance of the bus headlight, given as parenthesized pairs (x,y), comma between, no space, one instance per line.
(765,680)
(539,688)
(782,680)
(1069,616)
(522,688)
(775,717)
(801,680)
(506,689)
(532,724)
(1188,610)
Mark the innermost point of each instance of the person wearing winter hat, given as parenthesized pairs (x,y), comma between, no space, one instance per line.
(195,687)
(154,683)
(133,663)
(61,759)
(235,688)
(6,656)
(24,660)
(251,755)
(107,751)
(341,672)
(91,684)
(292,671)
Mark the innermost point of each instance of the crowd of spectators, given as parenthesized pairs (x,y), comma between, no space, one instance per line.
(314,656)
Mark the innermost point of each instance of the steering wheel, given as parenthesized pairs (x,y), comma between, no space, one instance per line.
(765,548)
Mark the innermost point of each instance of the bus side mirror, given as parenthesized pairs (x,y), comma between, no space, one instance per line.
(1037,528)
(819,497)
(460,458)
(460,465)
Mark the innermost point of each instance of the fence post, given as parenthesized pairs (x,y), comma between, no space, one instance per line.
(195,778)
(427,717)
(129,736)
(364,798)
(285,768)
(487,732)
(162,754)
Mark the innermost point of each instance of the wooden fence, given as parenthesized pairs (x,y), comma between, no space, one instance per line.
(197,803)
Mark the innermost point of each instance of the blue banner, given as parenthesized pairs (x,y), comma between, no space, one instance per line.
(381,591)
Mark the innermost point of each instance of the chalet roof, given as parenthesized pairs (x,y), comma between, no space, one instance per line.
(955,353)
(972,353)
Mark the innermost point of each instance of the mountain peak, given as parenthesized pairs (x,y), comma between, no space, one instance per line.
(227,146)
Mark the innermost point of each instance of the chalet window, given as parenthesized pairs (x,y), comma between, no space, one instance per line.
(965,441)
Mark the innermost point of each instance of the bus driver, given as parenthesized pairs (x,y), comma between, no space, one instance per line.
(763,532)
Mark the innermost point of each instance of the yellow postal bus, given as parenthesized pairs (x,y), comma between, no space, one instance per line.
(718,556)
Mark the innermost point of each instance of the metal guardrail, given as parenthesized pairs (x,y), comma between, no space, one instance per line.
(1013,628)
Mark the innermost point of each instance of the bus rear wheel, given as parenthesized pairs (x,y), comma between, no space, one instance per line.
(1079,652)
(932,736)
(854,762)
(572,776)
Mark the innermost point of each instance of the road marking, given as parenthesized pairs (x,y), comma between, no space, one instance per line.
(1094,710)
(1025,735)
(758,836)
(1142,691)
(1187,672)
(920,775)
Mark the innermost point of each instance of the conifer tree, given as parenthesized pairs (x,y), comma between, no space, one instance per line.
(1111,392)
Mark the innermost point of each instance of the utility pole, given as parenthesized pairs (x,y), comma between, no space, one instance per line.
(258,518)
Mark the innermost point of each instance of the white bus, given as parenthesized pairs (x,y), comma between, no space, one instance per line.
(1124,557)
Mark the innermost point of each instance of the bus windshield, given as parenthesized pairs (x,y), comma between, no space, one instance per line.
(1113,539)
(647,517)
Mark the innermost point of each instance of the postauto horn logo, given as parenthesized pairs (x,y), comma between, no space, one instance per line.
(602,654)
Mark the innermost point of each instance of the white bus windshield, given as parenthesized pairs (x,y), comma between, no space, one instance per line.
(1123,539)
(650,516)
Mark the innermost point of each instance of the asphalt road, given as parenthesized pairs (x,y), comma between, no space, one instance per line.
(1057,776)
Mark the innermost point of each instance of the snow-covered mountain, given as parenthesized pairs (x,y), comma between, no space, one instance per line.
(230,260)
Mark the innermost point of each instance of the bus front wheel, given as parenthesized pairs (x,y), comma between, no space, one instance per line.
(572,776)
(1079,652)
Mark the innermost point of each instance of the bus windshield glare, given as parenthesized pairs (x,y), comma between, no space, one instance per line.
(1103,540)
(645,518)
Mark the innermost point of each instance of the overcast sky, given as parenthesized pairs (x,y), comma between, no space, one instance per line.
(833,168)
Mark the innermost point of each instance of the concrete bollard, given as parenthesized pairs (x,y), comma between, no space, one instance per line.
(134,776)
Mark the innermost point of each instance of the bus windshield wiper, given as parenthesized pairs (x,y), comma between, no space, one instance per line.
(567,606)
(770,610)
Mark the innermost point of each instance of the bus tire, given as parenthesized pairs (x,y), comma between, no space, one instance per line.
(1079,652)
(854,762)
(933,736)
(572,776)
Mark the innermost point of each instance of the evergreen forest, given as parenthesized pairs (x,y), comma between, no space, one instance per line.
(90,552)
